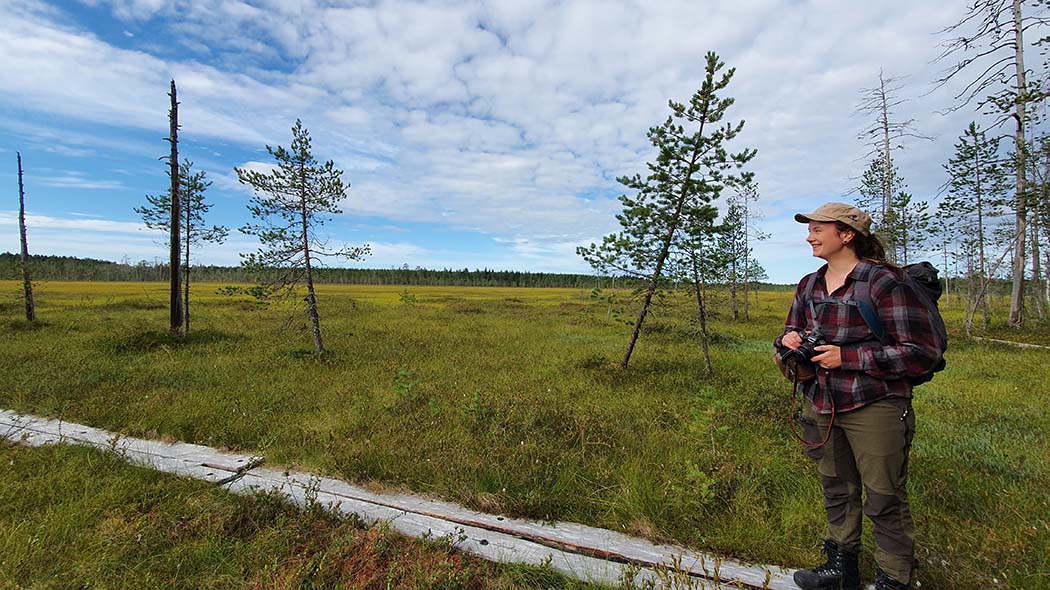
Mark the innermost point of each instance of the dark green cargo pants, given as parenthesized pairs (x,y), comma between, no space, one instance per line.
(868,449)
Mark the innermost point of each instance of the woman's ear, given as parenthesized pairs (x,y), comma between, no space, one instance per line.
(848,236)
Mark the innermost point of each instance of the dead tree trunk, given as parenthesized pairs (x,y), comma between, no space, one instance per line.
(27,284)
(175,316)
(1021,219)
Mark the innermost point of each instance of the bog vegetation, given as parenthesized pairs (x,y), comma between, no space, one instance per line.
(79,518)
(512,400)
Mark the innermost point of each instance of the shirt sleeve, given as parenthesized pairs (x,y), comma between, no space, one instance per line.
(911,346)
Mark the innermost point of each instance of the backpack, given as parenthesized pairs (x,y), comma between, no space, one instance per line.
(922,278)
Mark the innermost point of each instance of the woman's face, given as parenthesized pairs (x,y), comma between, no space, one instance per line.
(826,239)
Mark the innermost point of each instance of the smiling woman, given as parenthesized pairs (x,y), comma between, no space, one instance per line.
(859,422)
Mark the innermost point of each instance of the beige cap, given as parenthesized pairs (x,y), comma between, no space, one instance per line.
(831,212)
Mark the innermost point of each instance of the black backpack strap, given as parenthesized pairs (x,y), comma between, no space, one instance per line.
(866,306)
(807,294)
(807,291)
(861,300)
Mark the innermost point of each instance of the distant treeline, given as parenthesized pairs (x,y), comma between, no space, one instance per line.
(68,268)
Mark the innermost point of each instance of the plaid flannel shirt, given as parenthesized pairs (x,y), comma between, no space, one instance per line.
(870,369)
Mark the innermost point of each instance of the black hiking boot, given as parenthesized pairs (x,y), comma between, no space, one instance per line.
(884,582)
(839,572)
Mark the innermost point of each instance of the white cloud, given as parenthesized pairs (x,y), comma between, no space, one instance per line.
(10,218)
(508,118)
(78,181)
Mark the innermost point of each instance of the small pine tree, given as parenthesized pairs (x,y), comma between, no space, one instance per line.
(977,195)
(290,203)
(157,215)
(689,172)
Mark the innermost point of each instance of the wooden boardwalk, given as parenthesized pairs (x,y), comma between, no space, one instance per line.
(582,552)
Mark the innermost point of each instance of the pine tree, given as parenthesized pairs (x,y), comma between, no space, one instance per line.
(689,172)
(910,225)
(743,215)
(977,189)
(156,215)
(875,181)
(702,252)
(291,203)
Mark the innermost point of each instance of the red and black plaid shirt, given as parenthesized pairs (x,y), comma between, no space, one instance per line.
(870,369)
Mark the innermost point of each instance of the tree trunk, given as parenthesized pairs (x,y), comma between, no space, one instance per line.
(662,258)
(732,291)
(971,294)
(647,300)
(1017,288)
(982,263)
(887,170)
(27,283)
(311,298)
(1046,284)
(701,301)
(175,316)
(1037,273)
(747,262)
(186,272)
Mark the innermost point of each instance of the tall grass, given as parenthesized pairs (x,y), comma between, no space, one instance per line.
(510,400)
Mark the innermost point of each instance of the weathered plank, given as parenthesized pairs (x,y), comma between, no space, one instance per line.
(1012,343)
(577,538)
(576,550)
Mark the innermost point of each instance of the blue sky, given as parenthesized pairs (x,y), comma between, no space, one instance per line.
(473,134)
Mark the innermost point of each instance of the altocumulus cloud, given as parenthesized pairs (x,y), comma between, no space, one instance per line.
(510,119)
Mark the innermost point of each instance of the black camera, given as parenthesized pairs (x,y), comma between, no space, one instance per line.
(805,351)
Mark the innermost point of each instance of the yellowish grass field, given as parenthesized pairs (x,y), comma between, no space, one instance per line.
(511,400)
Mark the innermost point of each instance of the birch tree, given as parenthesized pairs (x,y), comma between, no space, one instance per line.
(689,172)
(290,204)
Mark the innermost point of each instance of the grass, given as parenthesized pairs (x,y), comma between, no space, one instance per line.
(79,518)
(510,400)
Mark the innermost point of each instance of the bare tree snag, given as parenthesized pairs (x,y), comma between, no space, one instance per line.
(27,284)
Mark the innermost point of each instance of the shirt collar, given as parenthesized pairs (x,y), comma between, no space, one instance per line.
(859,272)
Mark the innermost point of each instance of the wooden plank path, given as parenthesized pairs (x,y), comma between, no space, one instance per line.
(579,551)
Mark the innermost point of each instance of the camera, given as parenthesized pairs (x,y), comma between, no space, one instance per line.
(805,351)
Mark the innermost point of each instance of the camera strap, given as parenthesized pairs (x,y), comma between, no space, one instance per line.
(795,393)
(793,420)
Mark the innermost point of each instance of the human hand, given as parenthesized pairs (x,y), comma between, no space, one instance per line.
(830,357)
(792,340)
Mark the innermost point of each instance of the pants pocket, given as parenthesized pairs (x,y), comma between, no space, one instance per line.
(812,435)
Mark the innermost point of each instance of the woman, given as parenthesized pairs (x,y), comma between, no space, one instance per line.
(860,400)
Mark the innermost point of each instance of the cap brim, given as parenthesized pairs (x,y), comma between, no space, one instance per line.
(807,217)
